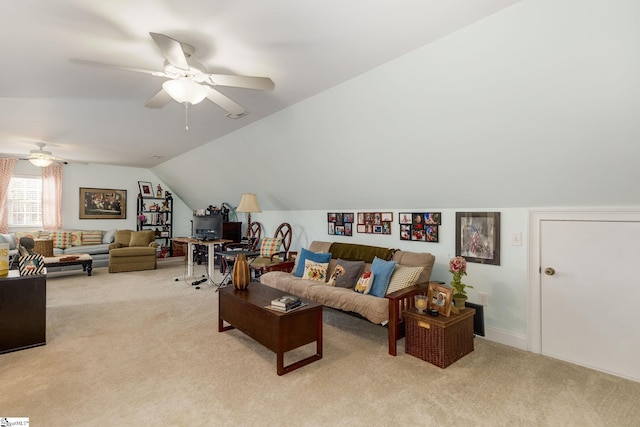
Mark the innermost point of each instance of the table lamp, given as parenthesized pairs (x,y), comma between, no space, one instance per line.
(248,204)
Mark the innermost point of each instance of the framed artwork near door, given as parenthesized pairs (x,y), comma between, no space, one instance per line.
(478,237)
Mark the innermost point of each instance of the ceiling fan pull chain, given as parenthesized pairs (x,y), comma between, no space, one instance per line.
(186,116)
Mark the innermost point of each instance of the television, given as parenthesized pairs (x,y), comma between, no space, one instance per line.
(207,227)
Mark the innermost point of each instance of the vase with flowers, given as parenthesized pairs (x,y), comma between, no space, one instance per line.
(458,267)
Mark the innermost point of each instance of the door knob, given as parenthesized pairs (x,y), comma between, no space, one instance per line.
(549,271)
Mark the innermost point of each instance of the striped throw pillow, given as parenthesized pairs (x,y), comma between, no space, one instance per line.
(270,246)
(92,237)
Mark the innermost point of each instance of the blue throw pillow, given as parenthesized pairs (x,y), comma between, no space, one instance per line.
(306,254)
(382,271)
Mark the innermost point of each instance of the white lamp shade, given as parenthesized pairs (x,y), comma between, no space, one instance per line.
(41,162)
(185,90)
(248,203)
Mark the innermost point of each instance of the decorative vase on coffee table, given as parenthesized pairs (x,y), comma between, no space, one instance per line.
(241,275)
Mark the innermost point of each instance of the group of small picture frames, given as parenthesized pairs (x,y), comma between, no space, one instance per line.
(340,223)
(375,222)
(420,226)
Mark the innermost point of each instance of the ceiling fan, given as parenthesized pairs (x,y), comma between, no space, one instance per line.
(39,157)
(189,82)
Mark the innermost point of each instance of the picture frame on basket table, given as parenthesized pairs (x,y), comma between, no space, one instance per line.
(439,297)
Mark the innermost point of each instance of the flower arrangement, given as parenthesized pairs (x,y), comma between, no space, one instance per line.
(458,267)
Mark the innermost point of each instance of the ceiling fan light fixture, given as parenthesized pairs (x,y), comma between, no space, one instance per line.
(185,90)
(41,162)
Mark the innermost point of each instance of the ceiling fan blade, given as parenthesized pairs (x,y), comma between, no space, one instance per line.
(119,67)
(158,100)
(224,102)
(171,49)
(260,83)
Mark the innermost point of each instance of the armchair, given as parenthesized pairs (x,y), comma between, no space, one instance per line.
(133,251)
(273,251)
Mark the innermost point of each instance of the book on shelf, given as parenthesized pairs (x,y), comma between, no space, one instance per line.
(286,301)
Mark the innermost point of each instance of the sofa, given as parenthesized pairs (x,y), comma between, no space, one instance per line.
(133,251)
(407,274)
(68,242)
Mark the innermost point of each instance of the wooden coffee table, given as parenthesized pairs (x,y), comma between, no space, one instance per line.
(279,332)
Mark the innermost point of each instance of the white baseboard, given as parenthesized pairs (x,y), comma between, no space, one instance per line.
(507,338)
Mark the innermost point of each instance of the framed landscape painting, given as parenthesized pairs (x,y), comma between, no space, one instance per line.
(102,203)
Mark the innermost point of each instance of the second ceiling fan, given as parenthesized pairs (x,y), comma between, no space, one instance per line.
(189,82)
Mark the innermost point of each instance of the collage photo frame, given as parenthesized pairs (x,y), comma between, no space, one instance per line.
(420,226)
(375,222)
(340,223)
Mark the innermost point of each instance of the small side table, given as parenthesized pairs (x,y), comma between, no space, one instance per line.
(43,247)
(439,340)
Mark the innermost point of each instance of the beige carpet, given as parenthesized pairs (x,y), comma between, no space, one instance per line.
(140,349)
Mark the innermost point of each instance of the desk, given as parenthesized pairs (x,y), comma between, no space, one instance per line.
(210,244)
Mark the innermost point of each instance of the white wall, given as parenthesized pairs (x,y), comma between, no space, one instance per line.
(104,176)
(117,177)
(533,106)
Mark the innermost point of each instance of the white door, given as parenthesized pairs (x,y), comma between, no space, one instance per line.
(590,301)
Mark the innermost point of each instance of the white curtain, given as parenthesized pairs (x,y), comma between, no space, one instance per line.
(52,197)
(6,170)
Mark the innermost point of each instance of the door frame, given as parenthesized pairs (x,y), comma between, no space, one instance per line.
(536,217)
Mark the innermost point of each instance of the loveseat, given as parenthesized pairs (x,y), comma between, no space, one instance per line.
(385,307)
(68,242)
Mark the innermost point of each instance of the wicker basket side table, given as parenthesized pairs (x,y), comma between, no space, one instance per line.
(439,340)
(43,247)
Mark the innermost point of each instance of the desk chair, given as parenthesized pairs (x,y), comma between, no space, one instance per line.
(273,251)
(250,244)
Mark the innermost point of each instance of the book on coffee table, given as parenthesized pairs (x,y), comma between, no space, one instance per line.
(286,310)
(286,301)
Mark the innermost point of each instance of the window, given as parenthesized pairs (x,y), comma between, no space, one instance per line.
(25,201)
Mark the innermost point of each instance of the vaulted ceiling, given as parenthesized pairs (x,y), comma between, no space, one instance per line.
(98,115)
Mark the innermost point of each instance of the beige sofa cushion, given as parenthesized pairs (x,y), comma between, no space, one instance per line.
(417,259)
(373,308)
